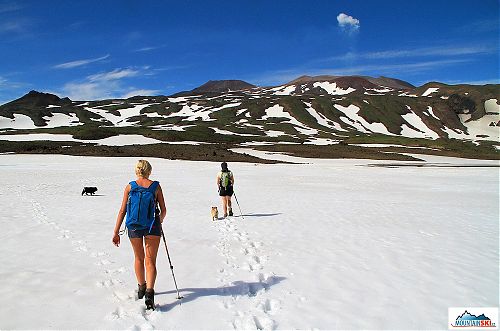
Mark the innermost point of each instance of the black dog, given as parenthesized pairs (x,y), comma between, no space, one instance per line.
(90,190)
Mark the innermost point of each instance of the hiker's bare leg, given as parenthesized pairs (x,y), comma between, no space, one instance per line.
(224,205)
(138,259)
(229,203)
(152,243)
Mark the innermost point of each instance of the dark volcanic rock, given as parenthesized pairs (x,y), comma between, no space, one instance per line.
(219,86)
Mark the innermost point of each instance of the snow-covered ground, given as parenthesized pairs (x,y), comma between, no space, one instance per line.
(119,140)
(325,244)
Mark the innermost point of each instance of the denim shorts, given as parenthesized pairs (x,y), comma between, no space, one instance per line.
(139,233)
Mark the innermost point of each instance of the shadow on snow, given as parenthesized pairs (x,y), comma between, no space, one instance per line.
(259,215)
(238,288)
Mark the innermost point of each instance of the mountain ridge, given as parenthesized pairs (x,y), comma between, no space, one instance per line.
(218,86)
(332,112)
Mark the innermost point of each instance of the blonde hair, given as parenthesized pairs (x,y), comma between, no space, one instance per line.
(143,168)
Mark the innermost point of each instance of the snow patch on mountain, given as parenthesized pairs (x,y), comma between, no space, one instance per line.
(375,91)
(171,127)
(455,133)
(194,111)
(422,131)
(226,132)
(492,106)
(429,109)
(429,91)
(19,121)
(253,125)
(394,145)
(278,111)
(240,111)
(484,128)
(359,122)
(178,99)
(333,89)
(284,90)
(321,141)
(381,90)
(59,119)
(306,131)
(275,133)
(125,114)
(405,94)
(322,119)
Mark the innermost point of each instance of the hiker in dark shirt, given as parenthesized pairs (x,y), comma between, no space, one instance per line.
(225,183)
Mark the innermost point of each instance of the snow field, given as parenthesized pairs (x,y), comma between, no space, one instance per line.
(324,244)
(119,140)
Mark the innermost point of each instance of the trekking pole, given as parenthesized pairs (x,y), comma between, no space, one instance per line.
(171,266)
(238,204)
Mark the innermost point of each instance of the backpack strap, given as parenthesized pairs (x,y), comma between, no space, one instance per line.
(154,185)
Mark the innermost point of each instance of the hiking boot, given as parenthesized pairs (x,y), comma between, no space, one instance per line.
(150,298)
(225,215)
(230,212)
(141,290)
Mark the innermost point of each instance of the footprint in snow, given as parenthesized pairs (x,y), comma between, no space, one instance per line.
(103,262)
(249,251)
(117,314)
(98,254)
(115,271)
(109,283)
(269,306)
(122,296)
(250,322)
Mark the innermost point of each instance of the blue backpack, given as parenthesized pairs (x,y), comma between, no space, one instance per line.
(141,206)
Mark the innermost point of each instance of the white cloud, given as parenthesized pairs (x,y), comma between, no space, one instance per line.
(149,48)
(134,93)
(440,51)
(475,82)
(116,74)
(106,85)
(146,49)
(79,63)
(88,91)
(10,85)
(347,22)
(430,51)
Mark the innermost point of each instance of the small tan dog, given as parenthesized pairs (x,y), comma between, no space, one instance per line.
(215,214)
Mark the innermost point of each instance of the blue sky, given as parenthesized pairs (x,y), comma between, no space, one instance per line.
(104,49)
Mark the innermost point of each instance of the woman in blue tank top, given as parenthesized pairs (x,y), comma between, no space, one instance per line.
(145,241)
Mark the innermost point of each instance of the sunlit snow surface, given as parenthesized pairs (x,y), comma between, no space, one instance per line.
(329,244)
